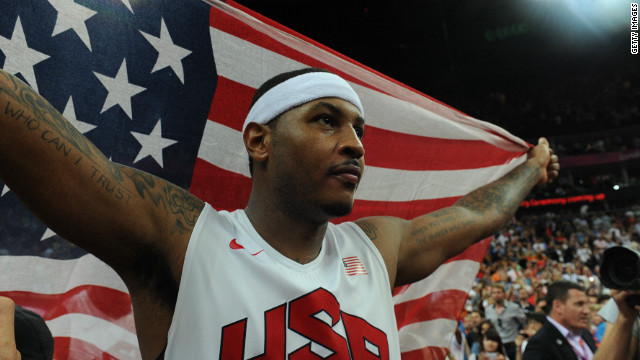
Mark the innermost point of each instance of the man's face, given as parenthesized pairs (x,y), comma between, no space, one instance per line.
(489,345)
(497,294)
(476,319)
(532,327)
(317,159)
(523,294)
(573,313)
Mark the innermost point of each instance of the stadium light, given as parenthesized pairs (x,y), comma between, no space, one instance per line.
(585,17)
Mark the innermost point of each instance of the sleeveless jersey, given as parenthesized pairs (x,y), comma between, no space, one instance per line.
(239,298)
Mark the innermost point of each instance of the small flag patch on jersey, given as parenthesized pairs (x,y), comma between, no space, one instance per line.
(353,266)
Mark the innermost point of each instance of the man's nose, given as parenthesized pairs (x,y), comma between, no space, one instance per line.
(351,144)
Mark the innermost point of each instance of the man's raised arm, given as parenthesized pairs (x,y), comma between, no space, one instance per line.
(617,343)
(419,246)
(111,210)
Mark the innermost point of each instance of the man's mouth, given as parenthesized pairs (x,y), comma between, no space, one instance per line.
(348,172)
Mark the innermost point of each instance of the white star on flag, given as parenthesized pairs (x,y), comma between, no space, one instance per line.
(152,144)
(48,234)
(128,5)
(20,58)
(169,54)
(5,190)
(70,114)
(120,90)
(72,16)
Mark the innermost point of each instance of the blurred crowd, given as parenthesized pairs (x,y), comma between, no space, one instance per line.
(531,252)
(589,103)
(591,113)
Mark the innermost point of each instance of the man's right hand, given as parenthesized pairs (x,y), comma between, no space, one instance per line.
(8,350)
(625,311)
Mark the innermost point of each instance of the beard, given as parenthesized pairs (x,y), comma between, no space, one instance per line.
(296,199)
(338,209)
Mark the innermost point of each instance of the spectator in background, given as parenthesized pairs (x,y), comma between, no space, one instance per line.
(589,279)
(485,325)
(570,273)
(535,321)
(507,317)
(541,305)
(523,299)
(598,324)
(584,253)
(564,335)
(458,350)
(473,331)
(491,347)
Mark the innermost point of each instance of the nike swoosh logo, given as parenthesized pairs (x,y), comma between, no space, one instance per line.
(233,244)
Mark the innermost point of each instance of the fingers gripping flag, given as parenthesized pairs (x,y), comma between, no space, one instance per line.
(164,86)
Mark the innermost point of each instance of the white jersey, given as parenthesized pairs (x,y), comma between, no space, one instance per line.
(239,298)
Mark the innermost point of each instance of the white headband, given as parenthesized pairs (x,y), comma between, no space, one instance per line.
(297,91)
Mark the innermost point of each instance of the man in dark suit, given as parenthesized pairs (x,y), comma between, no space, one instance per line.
(564,335)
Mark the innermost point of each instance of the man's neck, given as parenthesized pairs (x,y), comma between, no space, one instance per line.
(562,327)
(292,237)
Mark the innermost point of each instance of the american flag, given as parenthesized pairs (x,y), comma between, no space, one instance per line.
(164,86)
(353,266)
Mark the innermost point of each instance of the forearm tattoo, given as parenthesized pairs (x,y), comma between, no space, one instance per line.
(62,135)
(505,194)
(446,221)
(25,106)
(164,195)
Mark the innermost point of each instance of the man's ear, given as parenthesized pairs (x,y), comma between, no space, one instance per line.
(257,141)
(557,306)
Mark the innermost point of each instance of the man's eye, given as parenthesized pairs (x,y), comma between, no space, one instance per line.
(326,120)
(359,132)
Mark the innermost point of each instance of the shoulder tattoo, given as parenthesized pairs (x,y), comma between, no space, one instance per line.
(369,229)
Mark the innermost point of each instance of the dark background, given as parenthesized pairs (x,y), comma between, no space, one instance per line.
(492,59)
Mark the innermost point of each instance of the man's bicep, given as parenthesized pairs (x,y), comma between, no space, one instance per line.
(431,239)
(385,233)
(156,216)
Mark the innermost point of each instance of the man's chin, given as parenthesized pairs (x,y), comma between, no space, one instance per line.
(339,209)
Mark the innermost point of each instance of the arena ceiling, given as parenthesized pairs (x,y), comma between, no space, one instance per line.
(445,47)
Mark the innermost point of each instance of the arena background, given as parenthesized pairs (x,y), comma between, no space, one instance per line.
(560,69)
(556,68)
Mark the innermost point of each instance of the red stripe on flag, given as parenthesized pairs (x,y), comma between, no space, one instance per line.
(73,348)
(402,209)
(437,305)
(475,252)
(383,148)
(108,304)
(395,150)
(224,190)
(231,103)
(431,353)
